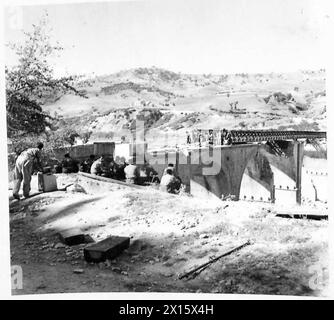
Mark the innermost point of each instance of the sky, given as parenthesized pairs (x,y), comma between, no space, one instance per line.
(189,36)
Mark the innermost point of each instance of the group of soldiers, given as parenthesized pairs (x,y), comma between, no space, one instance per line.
(209,137)
(105,166)
(142,174)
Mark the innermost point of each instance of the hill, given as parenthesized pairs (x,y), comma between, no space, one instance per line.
(171,103)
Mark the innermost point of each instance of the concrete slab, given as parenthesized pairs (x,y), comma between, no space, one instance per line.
(108,248)
(73,237)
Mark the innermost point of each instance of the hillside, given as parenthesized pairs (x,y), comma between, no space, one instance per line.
(171,103)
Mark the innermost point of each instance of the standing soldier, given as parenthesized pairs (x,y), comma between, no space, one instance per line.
(222,136)
(200,137)
(188,137)
(24,167)
(227,138)
(210,138)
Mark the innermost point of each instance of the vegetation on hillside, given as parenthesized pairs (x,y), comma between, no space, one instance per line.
(31,83)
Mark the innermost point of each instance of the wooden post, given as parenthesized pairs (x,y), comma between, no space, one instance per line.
(188,189)
(299,162)
(177,160)
(272,196)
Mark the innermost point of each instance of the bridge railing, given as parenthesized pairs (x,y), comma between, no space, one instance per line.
(220,137)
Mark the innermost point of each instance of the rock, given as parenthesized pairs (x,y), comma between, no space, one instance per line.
(59,245)
(229,282)
(78,271)
(115,269)
(124,273)
(41,286)
(75,188)
(107,263)
(203,236)
(168,274)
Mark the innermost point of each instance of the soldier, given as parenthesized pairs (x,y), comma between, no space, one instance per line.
(119,170)
(131,172)
(200,137)
(210,137)
(222,136)
(69,165)
(86,165)
(103,166)
(146,174)
(188,138)
(169,183)
(24,167)
(170,166)
(226,137)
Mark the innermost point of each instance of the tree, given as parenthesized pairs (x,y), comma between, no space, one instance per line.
(31,82)
(85,136)
(69,136)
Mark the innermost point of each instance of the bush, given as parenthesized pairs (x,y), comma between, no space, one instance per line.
(85,136)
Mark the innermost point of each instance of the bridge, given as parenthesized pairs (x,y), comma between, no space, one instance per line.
(212,168)
(273,159)
(248,136)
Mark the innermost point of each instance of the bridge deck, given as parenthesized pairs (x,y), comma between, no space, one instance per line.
(266,135)
(248,136)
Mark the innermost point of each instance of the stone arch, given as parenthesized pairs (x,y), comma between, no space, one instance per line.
(232,161)
(258,178)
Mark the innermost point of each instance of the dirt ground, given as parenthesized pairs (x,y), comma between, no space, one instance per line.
(170,234)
